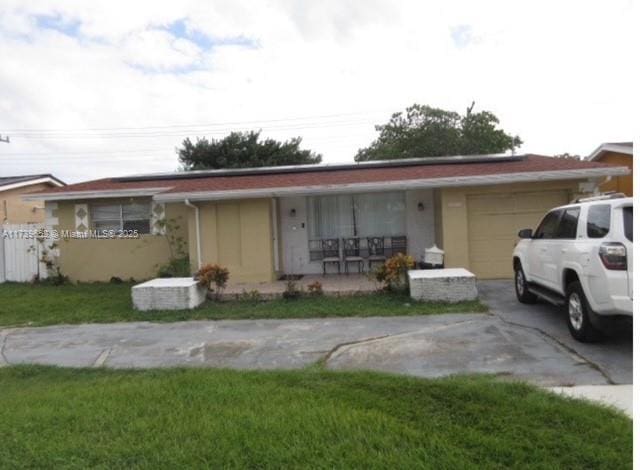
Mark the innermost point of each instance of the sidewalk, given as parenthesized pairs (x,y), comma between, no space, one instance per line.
(619,396)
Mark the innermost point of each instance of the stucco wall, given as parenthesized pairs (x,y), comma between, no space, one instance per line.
(89,260)
(621,184)
(237,235)
(455,221)
(13,210)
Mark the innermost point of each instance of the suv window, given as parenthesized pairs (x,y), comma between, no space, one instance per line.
(568,227)
(598,220)
(627,215)
(547,227)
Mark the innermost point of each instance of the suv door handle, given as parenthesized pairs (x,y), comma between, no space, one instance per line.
(564,250)
(543,249)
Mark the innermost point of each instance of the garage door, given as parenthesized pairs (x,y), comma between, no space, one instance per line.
(494,221)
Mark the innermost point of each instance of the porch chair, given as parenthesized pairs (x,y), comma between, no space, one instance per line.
(376,250)
(330,253)
(351,253)
(398,245)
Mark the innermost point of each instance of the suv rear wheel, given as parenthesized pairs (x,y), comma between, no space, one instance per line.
(522,287)
(578,315)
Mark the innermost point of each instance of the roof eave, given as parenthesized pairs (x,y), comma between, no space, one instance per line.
(21,184)
(617,148)
(477,180)
(93,194)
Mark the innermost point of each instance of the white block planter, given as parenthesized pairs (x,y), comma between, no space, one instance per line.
(172,293)
(443,285)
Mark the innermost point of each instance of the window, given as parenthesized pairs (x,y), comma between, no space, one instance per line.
(568,227)
(627,215)
(598,220)
(361,215)
(132,216)
(548,226)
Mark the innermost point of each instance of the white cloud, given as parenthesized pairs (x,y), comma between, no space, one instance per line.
(554,73)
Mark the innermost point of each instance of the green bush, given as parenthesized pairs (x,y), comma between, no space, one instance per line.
(177,267)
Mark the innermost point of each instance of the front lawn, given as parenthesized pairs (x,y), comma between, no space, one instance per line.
(41,304)
(204,418)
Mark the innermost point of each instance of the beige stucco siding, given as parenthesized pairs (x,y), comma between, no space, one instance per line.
(621,184)
(480,224)
(237,235)
(89,260)
(13,210)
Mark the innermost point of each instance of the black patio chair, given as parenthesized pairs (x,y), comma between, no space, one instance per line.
(375,247)
(330,253)
(351,253)
(398,245)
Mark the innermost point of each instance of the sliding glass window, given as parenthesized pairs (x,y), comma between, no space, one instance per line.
(357,215)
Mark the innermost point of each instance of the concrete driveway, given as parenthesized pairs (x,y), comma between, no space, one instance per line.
(526,342)
(613,356)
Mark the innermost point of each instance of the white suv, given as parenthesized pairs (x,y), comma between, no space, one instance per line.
(580,256)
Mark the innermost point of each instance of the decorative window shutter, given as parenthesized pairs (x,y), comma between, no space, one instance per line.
(82,217)
(158,226)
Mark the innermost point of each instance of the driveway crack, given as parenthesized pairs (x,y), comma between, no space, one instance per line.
(3,358)
(102,358)
(333,351)
(568,349)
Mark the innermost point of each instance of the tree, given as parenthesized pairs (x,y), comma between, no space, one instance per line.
(243,150)
(423,131)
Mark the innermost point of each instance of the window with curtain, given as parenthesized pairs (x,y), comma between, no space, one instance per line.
(361,215)
(132,216)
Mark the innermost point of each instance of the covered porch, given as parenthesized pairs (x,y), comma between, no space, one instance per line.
(352,232)
(332,285)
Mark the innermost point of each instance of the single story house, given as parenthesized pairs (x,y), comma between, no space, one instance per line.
(263,222)
(13,209)
(618,154)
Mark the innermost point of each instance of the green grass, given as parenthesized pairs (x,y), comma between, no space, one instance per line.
(41,304)
(204,418)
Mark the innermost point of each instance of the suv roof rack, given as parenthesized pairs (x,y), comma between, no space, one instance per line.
(601,197)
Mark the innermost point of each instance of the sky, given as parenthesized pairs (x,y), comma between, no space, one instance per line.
(107,88)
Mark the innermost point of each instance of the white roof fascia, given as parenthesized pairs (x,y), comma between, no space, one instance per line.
(111,193)
(478,180)
(595,155)
(22,184)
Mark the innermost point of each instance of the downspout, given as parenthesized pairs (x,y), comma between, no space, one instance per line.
(198,252)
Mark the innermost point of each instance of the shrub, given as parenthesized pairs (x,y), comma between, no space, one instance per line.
(315,288)
(292,291)
(252,296)
(176,267)
(54,278)
(394,272)
(213,274)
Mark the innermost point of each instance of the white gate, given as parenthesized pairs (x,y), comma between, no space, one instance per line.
(20,253)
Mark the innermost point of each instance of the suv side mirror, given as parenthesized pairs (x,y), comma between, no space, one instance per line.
(525,233)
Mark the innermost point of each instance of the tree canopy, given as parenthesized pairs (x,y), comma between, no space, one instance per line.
(423,131)
(243,150)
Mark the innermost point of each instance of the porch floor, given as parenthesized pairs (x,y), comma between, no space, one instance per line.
(332,284)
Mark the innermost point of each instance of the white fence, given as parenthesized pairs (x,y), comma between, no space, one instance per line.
(20,254)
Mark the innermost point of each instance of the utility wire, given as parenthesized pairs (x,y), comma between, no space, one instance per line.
(194,125)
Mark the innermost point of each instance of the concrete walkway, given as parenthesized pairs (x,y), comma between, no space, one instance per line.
(618,396)
(425,346)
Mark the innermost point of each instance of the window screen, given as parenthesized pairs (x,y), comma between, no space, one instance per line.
(132,216)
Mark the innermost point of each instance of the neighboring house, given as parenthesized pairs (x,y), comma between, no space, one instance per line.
(618,154)
(13,209)
(264,222)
